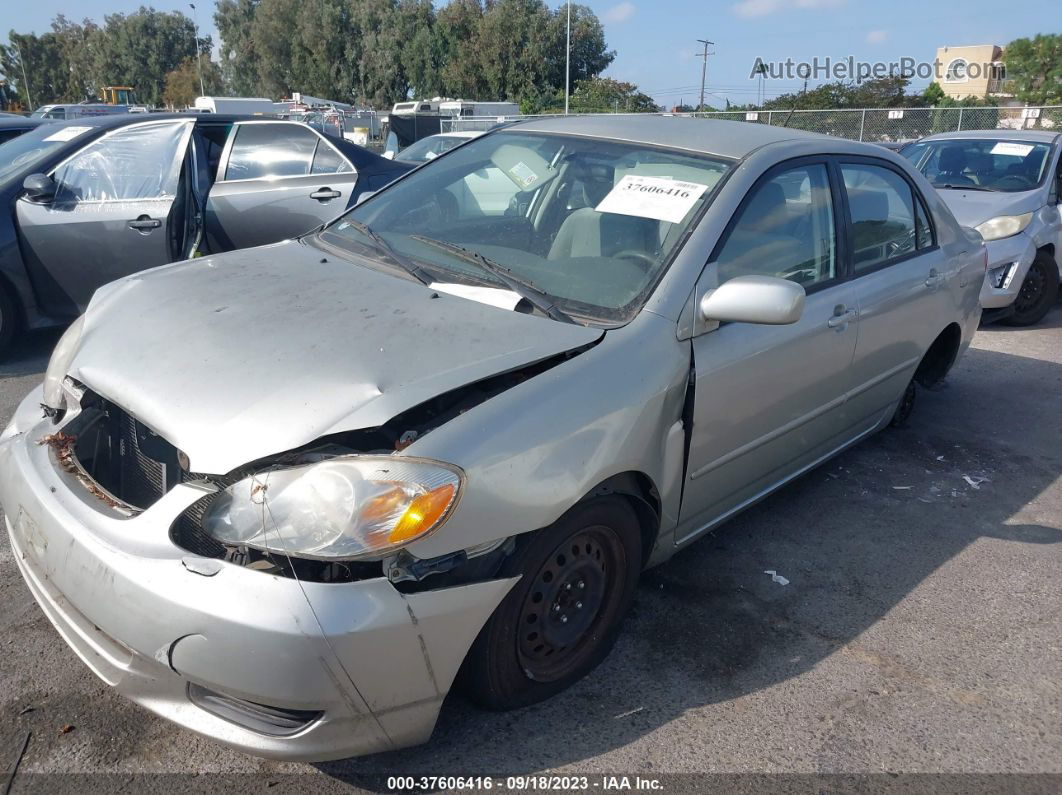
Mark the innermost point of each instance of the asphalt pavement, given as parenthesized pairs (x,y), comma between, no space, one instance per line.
(920,630)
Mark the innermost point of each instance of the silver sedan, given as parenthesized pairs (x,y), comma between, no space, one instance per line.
(287,496)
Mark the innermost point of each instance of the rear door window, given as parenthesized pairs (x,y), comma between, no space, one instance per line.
(263,151)
(328,161)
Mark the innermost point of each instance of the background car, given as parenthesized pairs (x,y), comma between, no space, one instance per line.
(99,198)
(12,126)
(1007,184)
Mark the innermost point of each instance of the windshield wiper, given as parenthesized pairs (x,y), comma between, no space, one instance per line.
(962,187)
(525,289)
(402,261)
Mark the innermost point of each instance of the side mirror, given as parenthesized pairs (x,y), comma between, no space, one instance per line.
(40,188)
(766,300)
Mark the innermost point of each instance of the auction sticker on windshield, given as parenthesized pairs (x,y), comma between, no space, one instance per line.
(659,198)
(1007,148)
(67,133)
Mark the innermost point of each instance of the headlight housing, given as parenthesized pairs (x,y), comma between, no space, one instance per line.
(344,508)
(1003,226)
(58,365)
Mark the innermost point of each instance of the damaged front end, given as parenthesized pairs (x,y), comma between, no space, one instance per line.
(321,660)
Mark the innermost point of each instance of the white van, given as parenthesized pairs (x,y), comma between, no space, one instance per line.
(76,111)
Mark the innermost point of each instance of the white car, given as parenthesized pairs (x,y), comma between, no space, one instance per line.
(1006,184)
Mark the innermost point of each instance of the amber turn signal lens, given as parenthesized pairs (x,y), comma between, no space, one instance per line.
(423,513)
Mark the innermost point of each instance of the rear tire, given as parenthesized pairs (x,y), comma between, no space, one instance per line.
(578,578)
(906,406)
(1038,292)
(9,320)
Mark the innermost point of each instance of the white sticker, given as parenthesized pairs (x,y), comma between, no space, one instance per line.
(895,114)
(1006,148)
(652,197)
(67,133)
(523,174)
(506,299)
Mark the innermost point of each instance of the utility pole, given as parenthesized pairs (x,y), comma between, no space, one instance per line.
(198,55)
(704,68)
(568,58)
(22,63)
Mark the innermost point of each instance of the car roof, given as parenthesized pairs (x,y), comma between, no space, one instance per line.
(733,139)
(19,123)
(1032,136)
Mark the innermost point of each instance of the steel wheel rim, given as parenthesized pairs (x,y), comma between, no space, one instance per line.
(571,597)
(1031,289)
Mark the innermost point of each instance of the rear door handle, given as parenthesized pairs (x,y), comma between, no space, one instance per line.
(145,223)
(842,317)
(324,194)
(935,278)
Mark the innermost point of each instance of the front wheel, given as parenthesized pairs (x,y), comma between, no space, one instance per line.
(561,619)
(1037,294)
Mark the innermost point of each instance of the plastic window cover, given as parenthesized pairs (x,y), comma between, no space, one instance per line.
(125,165)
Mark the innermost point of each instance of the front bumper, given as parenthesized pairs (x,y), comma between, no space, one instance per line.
(369,664)
(1014,253)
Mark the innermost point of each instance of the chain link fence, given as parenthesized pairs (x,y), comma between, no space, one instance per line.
(859,124)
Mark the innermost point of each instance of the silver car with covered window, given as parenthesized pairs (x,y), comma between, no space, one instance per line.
(287,496)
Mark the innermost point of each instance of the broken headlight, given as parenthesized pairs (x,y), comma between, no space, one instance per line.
(348,507)
(62,357)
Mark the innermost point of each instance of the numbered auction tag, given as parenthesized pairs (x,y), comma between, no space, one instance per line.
(67,133)
(1008,148)
(652,197)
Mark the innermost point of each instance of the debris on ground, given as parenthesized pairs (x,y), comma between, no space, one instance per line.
(66,728)
(975,482)
(776,577)
(901,488)
(628,713)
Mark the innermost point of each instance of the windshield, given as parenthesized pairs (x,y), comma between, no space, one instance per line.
(981,164)
(429,148)
(588,224)
(34,146)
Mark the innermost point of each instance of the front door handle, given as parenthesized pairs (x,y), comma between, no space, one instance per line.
(324,194)
(145,223)
(841,317)
(935,278)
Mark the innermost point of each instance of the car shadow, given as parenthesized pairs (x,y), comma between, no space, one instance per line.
(854,538)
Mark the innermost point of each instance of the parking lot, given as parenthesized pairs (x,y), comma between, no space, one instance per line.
(919,630)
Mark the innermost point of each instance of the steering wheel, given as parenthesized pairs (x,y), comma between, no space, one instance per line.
(646,261)
(1014,182)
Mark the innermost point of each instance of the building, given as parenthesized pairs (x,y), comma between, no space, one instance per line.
(974,70)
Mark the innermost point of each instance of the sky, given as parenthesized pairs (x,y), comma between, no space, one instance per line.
(656,40)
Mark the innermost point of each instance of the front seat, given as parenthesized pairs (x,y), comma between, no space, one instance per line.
(588,233)
(952,164)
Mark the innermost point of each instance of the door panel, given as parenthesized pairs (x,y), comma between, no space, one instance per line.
(111,216)
(768,401)
(902,283)
(276,181)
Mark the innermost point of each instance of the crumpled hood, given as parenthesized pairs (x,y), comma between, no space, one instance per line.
(251,353)
(974,207)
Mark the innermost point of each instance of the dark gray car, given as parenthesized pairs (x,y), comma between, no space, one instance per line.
(96,199)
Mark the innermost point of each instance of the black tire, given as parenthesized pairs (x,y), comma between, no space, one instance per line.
(9,320)
(1038,292)
(561,619)
(906,406)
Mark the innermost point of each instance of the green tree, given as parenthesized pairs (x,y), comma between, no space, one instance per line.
(457,35)
(239,52)
(1035,66)
(603,94)
(182,84)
